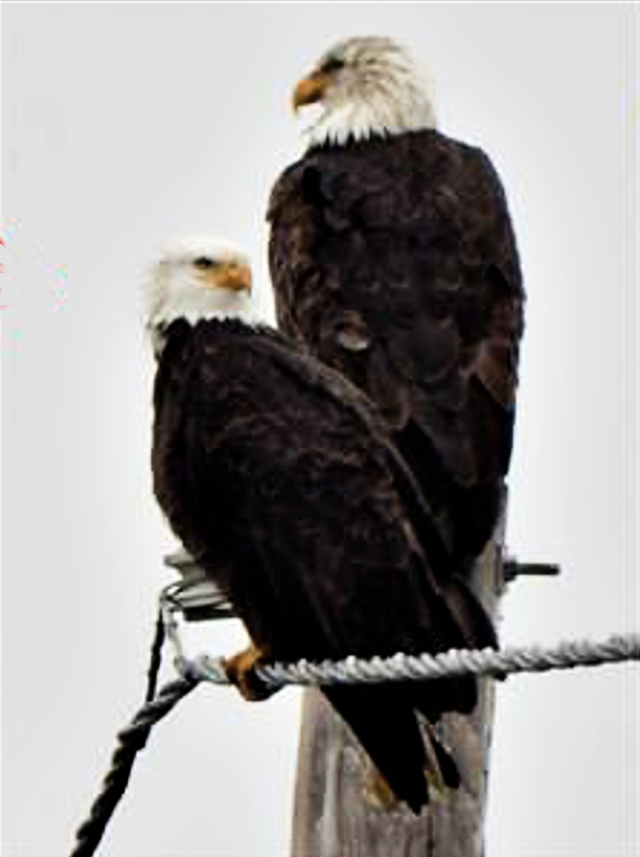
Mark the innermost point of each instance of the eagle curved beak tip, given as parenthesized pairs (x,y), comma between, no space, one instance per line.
(308,91)
(235,277)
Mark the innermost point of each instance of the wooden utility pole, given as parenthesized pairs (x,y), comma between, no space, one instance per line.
(335,817)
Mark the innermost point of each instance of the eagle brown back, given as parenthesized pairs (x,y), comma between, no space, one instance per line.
(394,261)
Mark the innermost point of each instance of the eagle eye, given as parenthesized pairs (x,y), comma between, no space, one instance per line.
(332,65)
(204,263)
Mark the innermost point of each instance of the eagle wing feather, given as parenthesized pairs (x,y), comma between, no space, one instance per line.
(406,244)
(276,474)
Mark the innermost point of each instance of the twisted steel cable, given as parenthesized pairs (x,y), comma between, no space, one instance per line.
(400,667)
(130,741)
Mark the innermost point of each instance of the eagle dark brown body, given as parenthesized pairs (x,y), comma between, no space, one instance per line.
(393,260)
(280,480)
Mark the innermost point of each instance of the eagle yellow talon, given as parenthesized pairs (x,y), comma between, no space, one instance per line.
(240,670)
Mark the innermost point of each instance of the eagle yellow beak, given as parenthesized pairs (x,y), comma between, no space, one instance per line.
(310,89)
(234,276)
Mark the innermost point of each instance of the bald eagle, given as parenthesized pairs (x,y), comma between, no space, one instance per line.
(393,260)
(280,480)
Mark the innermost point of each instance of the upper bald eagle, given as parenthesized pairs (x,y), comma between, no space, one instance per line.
(393,260)
(281,482)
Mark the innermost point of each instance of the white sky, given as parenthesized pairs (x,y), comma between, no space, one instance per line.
(124,125)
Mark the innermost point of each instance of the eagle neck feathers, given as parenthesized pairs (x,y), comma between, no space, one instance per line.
(383,113)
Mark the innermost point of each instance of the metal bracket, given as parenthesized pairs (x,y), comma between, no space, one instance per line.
(199,599)
(196,596)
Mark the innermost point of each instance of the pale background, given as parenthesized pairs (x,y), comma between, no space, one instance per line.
(127,124)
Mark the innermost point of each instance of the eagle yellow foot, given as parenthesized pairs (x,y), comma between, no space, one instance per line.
(240,670)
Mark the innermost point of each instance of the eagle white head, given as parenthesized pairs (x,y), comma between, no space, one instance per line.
(366,86)
(198,278)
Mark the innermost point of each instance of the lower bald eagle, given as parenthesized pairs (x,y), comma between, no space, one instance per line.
(281,482)
(394,261)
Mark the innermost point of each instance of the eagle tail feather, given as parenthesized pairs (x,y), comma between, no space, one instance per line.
(388,729)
